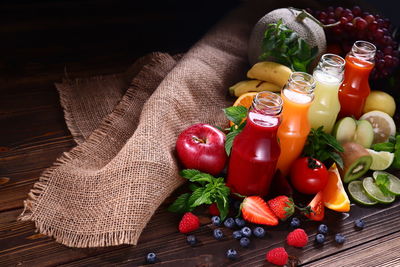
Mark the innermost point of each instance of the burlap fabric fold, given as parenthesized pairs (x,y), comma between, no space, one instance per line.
(105,190)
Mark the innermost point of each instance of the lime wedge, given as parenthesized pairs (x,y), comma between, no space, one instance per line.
(374,192)
(380,160)
(394,186)
(357,192)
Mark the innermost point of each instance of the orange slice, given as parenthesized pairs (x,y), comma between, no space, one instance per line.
(244,100)
(334,195)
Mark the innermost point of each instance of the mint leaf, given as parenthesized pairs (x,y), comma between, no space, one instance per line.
(195,195)
(202,178)
(389,147)
(180,204)
(229,141)
(223,206)
(383,182)
(235,114)
(189,173)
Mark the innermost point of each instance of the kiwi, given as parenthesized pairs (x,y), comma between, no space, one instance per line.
(356,161)
(344,130)
(364,134)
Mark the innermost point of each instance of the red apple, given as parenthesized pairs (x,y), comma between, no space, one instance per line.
(202,147)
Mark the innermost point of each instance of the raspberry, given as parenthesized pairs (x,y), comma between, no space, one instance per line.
(213,209)
(189,223)
(297,238)
(277,256)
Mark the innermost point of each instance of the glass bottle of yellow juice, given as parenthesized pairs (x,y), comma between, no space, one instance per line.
(328,76)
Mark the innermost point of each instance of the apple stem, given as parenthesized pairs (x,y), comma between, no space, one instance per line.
(198,140)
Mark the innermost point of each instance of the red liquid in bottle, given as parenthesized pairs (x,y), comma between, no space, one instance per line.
(254,155)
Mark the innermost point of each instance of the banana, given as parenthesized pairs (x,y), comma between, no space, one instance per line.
(252,86)
(270,72)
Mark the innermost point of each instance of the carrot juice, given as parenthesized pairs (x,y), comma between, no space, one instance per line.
(297,96)
(255,150)
(355,87)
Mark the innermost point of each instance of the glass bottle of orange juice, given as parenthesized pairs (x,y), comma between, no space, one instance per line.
(328,76)
(297,96)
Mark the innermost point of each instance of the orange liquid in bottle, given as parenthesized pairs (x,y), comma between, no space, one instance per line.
(295,126)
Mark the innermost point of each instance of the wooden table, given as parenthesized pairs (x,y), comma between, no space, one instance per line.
(39,43)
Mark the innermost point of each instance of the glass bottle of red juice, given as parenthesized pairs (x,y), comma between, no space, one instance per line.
(355,87)
(256,150)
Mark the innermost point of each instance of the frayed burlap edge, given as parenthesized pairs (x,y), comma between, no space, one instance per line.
(34,196)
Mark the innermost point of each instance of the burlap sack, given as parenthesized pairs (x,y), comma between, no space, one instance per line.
(104,191)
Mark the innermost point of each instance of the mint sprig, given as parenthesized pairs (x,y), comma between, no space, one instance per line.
(236,114)
(206,189)
(285,46)
(383,182)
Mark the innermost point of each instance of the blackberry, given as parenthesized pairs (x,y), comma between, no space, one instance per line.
(218,234)
(191,240)
(246,231)
(237,235)
(240,222)
(359,224)
(259,232)
(295,222)
(319,238)
(229,223)
(216,220)
(244,242)
(323,229)
(231,254)
(151,257)
(339,238)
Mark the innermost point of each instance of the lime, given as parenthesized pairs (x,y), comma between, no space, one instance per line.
(357,192)
(374,192)
(394,186)
(381,160)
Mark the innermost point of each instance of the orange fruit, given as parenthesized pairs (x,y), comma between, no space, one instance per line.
(334,195)
(244,100)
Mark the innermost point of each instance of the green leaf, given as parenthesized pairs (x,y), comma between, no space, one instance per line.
(202,178)
(332,142)
(389,147)
(337,159)
(235,114)
(189,173)
(383,182)
(180,204)
(223,206)
(193,187)
(230,137)
(198,193)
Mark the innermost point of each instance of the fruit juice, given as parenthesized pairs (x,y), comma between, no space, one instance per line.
(255,150)
(297,97)
(328,76)
(355,88)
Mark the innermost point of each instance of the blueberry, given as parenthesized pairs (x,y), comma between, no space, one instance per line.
(191,240)
(232,254)
(151,257)
(320,238)
(216,220)
(230,223)
(246,231)
(295,222)
(359,224)
(244,242)
(237,235)
(259,232)
(218,234)
(339,238)
(323,229)
(240,222)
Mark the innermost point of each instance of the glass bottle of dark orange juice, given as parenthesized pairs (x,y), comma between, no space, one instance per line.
(256,150)
(355,87)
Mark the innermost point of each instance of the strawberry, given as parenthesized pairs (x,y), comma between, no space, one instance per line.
(189,223)
(255,210)
(315,209)
(213,209)
(297,238)
(277,256)
(282,207)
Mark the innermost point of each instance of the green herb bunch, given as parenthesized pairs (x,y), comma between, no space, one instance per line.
(285,46)
(206,189)
(392,146)
(237,115)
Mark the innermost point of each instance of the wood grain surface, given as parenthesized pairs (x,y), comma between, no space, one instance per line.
(42,41)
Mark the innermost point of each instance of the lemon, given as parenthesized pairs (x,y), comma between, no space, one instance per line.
(382,124)
(380,160)
(378,100)
(357,192)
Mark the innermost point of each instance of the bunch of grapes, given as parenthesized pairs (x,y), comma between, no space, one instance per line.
(354,24)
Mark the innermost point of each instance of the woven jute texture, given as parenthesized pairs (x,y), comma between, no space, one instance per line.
(105,190)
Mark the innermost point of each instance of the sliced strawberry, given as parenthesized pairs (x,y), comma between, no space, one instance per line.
(255,210)
(316,210)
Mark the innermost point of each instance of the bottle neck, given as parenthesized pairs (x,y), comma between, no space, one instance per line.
(363,51)
(330,70)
